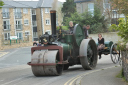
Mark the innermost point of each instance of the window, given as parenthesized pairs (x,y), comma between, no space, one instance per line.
(17,10)
(6,24)
(47,21)
(91,8)
(33,12)
(19,35)
(114,11)
(106,4)
(25,10)
(5,12)
(26,22)
(17,13)
(6,36)
(18,24)
(35,35)
(46,10)
(26,33)
(34,23)
(48,31)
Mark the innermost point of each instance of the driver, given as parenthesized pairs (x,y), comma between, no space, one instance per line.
(71,27)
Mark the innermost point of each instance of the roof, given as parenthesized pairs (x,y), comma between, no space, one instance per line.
(28,4)
(80,1)
(47,3)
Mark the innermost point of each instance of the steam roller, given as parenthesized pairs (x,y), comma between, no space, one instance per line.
(62,49)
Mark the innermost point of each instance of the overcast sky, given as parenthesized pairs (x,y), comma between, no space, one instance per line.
(37,0)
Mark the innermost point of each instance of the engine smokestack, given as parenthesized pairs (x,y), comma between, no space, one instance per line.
(53,22)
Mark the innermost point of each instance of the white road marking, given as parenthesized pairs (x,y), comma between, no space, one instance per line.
(13,81)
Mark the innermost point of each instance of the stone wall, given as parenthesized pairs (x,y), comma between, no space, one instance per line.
(3,47)
(110,36)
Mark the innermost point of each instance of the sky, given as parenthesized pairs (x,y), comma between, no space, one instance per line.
(37,0)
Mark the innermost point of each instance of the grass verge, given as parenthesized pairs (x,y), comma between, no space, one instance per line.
(120,75)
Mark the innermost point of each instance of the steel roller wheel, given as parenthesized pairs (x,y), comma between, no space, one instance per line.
(115,54)
(88,54)
(40,57)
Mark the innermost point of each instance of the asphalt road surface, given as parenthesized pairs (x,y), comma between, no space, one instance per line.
(15,71)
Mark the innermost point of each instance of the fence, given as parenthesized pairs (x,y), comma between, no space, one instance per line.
(12,42)
(124,55)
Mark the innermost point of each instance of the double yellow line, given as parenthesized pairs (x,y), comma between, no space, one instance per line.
(71,81)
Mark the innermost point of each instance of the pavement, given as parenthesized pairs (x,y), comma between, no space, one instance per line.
(105,76)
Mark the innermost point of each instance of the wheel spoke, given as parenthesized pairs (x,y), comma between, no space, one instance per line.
(115,59)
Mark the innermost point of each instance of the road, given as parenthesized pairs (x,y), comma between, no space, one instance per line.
(15,71)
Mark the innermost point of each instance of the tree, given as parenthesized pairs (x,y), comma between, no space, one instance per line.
(75,17)
(120,5)
(1,3)
(96,20)
(69,7)
(59,15)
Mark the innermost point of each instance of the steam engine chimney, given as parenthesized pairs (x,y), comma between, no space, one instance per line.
(53,22)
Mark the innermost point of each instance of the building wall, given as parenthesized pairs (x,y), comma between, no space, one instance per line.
(110,36)
(83,6)
(41,24)
(12,26)
(0,26)
(12,22)
(29,26)
(39,21)
(46,16)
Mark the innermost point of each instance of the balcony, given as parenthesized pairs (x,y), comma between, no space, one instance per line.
(6,15)
(6,27)
(19,27)
(18,15)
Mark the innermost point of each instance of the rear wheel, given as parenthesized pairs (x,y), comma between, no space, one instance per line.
(88,54)
(115,54)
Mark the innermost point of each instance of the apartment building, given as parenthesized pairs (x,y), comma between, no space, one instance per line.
(25,18)
(105,7)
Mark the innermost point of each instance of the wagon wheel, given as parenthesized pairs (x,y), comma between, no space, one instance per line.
(115,54)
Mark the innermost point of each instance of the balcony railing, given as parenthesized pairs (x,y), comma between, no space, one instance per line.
(19,27)
(6,27)
(18,15)
(5,14)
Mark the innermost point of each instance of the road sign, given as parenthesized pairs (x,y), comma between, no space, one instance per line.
(13,37)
